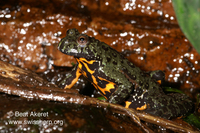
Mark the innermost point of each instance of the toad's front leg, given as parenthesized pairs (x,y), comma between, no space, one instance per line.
(71,79)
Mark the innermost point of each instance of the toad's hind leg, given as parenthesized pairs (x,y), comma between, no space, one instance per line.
(124,86)
(171,105)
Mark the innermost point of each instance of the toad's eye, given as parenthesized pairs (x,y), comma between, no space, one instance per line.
(82,40)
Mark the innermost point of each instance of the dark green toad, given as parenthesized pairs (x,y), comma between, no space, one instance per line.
(119,80)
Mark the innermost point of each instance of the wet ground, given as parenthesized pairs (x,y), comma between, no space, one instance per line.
(43,116)
(146,32)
